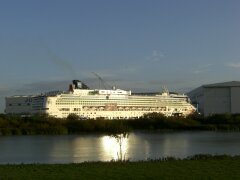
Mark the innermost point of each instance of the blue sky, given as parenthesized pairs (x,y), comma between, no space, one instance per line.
(134,44)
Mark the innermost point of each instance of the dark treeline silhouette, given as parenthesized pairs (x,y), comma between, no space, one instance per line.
(43,124)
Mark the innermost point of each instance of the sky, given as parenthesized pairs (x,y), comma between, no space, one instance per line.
(138,45)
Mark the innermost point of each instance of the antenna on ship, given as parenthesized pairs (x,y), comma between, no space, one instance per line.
(101,81)
(165,90)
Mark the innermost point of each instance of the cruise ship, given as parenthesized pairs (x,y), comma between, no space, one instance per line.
(99,103)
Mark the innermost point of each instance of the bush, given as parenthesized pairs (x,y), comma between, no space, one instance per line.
(43,124)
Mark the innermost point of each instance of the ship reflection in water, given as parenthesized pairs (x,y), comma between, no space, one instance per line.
(139,146)
(111,147)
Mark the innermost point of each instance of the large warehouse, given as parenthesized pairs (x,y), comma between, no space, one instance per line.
(217,98)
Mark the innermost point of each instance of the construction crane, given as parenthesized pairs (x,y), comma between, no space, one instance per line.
(102,83)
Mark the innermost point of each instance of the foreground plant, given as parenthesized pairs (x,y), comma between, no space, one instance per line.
(120,132)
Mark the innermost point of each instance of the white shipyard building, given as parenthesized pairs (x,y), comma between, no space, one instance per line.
(98,103)
(217,98)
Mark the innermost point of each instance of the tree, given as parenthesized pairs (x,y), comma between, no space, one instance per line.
(153,116)
(120,132)
(73,117)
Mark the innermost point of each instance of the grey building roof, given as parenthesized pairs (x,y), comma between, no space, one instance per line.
(224,84)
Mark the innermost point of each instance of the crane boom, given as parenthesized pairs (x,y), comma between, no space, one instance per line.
(101,81)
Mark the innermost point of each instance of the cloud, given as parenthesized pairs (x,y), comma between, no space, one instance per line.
(202,69)
(156,56)
(3,89)
(198,71)
(35,88)
(128,69)
(42,86)
(234,65)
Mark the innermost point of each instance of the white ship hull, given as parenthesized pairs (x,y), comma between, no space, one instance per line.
(108,104)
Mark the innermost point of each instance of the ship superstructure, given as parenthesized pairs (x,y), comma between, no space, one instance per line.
(99,103)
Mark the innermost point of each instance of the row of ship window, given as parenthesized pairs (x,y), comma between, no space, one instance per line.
(93,115)
(145,109)
(119,101)
(19,104)
(103,103)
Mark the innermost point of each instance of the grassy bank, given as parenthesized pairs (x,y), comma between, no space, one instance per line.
(205,167)
(42,124)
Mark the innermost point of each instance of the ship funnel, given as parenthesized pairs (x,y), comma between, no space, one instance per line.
(77,84)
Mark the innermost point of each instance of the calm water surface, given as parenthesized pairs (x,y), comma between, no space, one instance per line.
(139,146)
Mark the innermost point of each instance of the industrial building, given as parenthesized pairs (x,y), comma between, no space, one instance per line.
(217,98)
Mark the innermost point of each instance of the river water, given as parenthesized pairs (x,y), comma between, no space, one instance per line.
(138,146)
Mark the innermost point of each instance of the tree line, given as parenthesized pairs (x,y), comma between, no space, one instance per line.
(43,124)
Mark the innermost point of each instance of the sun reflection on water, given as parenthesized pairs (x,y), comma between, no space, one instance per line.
(112,148)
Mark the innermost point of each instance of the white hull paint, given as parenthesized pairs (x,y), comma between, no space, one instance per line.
(99,103)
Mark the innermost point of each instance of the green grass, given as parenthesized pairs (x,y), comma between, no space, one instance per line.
(205,168)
